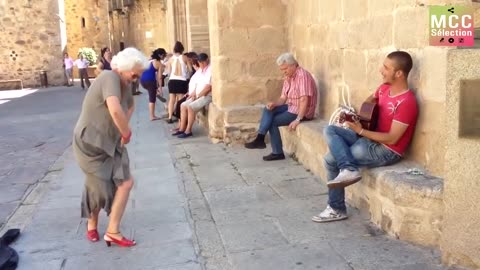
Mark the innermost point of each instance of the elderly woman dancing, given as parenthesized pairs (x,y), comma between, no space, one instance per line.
(100,136)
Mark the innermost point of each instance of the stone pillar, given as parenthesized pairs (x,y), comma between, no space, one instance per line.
(197,26)
(460,243)
(177,23)
(246,37)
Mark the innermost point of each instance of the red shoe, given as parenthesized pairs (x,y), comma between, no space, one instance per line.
(124,242)
(93,236)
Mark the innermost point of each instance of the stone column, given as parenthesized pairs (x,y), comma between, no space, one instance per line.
(197,26)
(460,243)
(246,37)
(177,23)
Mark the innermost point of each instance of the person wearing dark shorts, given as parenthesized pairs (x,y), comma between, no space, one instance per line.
(150,80)
(177,84)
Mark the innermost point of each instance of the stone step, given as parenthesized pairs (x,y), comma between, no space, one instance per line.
(402,199)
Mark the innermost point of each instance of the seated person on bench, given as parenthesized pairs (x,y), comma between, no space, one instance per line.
(353,147)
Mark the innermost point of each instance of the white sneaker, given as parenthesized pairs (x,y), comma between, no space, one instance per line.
(329,214)
(345,178)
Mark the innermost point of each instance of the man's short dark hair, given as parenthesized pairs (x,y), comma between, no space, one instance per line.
(202,57)
(403,61)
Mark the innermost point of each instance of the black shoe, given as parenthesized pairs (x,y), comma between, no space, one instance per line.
(274,157)
(162,99)
(169,120)
(178,132)
(256,144)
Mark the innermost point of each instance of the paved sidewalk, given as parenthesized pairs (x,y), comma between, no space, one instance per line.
(254,215)
(197,205)
(54,235)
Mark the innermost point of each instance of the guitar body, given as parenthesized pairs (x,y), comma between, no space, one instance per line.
(369,115)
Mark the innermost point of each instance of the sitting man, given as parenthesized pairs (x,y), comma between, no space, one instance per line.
(199,97)
(353,146)
(297,103)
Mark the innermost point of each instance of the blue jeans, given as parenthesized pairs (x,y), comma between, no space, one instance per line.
(350,151)
(270,122)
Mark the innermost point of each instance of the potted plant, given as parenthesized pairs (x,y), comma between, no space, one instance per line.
(91,56)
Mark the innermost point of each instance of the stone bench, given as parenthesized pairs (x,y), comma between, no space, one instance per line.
(405,204)
(12,81)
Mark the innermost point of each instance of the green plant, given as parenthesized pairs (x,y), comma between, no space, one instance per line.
(89,54)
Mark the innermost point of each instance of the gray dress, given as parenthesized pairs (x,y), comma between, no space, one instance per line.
(96,143)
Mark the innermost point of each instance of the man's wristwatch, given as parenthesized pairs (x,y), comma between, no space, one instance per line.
(298,119)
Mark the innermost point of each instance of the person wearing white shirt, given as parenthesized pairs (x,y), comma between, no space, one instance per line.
(68,64)
(200,96)
(82,65)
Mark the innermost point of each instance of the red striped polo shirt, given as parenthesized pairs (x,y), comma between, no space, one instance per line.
(299,85)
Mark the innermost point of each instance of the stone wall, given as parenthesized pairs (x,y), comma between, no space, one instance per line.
(343,43)
(245,39)
(197,26)
(87,25)
(461,233)
(148,26)
(28,46)
(177,22)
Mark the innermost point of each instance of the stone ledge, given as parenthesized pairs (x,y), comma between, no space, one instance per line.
(407,206)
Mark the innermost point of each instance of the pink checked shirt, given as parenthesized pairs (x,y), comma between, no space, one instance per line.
(299,85)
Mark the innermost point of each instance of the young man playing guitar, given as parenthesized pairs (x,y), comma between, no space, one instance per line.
(353,147)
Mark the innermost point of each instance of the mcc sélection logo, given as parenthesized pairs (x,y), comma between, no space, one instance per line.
(451,26)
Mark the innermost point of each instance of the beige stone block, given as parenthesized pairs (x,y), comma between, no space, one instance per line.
(240,133)
(423,227)
(415,78)
(443,2)
(380,7)
(235,42)
(299,35)
(298,10)
(405,3)
(375,59)
(215,121)
(243,114)
(355,74)
(434,74)
(255,13)
(273,89)
(328,11)
(411,23)
(307,145)
(228,69)
(380,32)
(317,35)
(335,65)
(428,146)
(240,93)
(264,67)
(356,34)
(338,35)
(304,56)
(219,13)
(354,9)
(268,39)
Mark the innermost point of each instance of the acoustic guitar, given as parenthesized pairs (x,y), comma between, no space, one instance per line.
(368,115)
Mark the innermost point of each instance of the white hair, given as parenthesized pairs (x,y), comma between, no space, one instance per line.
(286,58)
(128,59)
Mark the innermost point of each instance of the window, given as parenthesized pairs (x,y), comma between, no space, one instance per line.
(83,22)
